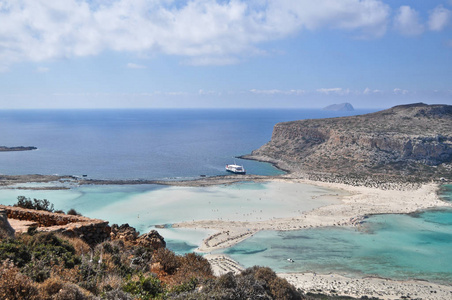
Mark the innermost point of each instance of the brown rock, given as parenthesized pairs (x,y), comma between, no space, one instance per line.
(152,239)
(408,140)
(5,228)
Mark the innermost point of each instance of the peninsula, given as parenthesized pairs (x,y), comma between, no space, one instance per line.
(407,143)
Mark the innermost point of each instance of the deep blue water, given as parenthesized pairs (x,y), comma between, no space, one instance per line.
(139,144)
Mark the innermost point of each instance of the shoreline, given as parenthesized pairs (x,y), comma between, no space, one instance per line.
(382,288)
(357,204)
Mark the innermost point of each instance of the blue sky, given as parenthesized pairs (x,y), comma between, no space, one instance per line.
(224,54)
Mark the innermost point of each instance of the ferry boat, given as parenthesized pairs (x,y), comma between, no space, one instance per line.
(236,169)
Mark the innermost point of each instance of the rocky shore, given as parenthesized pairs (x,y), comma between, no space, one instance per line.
(408,143)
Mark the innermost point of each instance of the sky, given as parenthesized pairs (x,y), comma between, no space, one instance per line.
(224,54)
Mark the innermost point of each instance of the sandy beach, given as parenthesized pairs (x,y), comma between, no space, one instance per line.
(381,288)
(353,205)
(337,285)
(356,202)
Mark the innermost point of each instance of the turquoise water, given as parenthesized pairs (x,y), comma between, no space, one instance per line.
(145,206)
(392,246)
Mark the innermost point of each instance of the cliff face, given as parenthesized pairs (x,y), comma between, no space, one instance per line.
(413,140)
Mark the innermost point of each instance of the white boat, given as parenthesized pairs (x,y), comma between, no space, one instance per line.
(236,169)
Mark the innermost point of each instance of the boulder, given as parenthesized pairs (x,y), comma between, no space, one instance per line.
(5,228)
(152,239)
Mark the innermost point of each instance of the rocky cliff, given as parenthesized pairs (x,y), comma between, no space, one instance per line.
(408,142)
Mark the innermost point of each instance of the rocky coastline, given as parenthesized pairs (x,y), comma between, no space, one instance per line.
(408,144)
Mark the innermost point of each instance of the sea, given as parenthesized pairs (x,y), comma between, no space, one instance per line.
(175,144)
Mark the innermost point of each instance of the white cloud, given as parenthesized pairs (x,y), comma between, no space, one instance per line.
(135,66)
(398,91)
(207,93)
(368,91)
(439,18)
(205,31)
(278,92)
(407,21)
(334,91)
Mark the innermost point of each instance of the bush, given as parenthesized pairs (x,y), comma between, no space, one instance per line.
(37,255)
(16,251)
(145,287)
(167,259)
(36,204)
(14,285)
(73,212)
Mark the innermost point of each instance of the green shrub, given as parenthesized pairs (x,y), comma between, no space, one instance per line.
(185,287)
(16,251)
(144,288)
(36,204)
(73,212)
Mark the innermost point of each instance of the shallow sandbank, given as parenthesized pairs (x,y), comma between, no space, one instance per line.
(354,204)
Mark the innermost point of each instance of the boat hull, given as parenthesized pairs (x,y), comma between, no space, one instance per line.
(236,172)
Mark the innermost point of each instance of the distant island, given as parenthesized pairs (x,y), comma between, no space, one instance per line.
(411,143)
(340,107)
(19,148)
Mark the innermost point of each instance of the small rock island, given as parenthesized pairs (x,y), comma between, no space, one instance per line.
(339,107)
(18,148)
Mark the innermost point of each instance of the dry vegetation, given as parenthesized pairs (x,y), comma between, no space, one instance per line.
(50,266)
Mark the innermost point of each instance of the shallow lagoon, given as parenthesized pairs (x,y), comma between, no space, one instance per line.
(144,206)
(391,246)
(394,246)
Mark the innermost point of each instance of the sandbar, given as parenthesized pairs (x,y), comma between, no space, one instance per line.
(355,203)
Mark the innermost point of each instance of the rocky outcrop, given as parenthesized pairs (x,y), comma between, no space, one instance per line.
(92,231)
(152,239)
(124,232)
(129,234)
(411,141)
(5,228)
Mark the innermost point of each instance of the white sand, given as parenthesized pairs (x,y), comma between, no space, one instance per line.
(372,287)
(355,203)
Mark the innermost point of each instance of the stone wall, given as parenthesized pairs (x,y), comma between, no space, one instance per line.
(92,231)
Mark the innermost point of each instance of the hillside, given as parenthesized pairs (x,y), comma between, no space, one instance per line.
(404,143)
